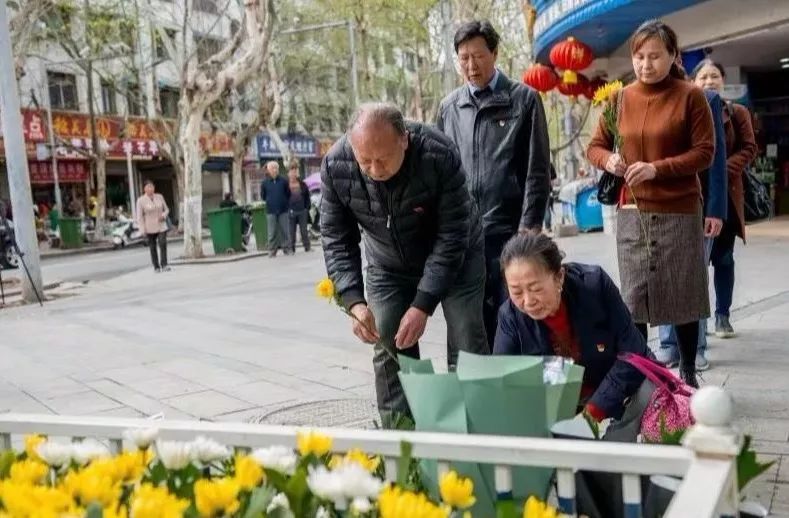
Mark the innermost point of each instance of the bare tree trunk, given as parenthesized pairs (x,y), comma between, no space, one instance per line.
(101,191)
(239,152)
(193,187)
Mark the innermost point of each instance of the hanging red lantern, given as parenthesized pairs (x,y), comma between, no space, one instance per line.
(540,77)
(571,56)
(593,86)
(575,89)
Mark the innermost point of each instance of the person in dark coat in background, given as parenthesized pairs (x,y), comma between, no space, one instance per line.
(275,192)
(298,206)
(500,129)
(574,311)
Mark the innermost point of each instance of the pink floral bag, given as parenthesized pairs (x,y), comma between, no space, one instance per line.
(670,402)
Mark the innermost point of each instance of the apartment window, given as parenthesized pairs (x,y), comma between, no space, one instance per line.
(168,97)
(63,91)
(108,98)
(161,49)
(206,6)
(134,100)
(207,47)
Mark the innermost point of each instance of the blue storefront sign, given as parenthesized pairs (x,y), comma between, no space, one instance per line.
(302,146)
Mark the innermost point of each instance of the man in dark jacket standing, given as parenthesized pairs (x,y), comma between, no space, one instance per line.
(275,192)
(403,184)
(500,129)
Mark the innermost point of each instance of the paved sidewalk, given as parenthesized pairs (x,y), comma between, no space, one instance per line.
(249,340)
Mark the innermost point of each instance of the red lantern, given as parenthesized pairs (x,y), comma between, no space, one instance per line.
(593,86)
(571,56)
(540,77)
(574,89)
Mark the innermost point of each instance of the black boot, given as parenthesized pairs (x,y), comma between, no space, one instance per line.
(688,375)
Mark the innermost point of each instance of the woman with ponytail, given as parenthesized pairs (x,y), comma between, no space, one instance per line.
(668,137)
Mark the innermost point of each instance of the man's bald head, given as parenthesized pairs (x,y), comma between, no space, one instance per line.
(379,139)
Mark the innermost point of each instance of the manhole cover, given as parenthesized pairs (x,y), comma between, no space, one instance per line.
(347,413)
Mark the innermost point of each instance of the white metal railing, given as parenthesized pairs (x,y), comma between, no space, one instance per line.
(706,463)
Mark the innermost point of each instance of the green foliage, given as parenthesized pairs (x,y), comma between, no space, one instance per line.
(7,458)
(748,467)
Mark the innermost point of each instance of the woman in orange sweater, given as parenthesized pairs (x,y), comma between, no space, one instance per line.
(667,139)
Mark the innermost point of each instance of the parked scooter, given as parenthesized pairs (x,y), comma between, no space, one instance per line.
(125,233)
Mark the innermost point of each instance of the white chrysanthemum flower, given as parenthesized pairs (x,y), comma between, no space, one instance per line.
(142,438)
(88,450)
(280,501)
(55,454)
(207,450)
(361,505)
(278,458)
(322,513)
(174,454)
(347,482)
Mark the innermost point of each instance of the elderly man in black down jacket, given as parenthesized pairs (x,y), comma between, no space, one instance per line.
(403,184)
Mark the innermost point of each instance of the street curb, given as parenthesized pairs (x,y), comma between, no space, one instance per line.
(93,250)
(50,286)
(230,258)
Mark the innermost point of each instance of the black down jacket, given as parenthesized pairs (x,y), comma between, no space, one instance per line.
(420,223)
(503,143)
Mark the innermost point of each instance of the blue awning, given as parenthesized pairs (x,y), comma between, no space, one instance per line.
(604,25)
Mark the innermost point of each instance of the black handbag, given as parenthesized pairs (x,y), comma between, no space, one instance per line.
(610,186)
(758,205)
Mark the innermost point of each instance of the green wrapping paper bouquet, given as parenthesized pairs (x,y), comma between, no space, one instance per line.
(492,395)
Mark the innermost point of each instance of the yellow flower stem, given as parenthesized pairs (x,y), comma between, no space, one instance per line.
(348,312)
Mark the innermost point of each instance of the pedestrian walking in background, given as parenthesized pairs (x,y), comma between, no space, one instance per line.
(152,212)
(741,149)
(499,127)
(668,137)
(403,185)
(274,191)
(714,198)
(298,208)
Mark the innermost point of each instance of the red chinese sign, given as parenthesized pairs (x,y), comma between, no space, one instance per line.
(68,172)
(217,143)
(33,126)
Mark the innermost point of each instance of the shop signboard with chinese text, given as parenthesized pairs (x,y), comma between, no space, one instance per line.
(68,172)
(302,146)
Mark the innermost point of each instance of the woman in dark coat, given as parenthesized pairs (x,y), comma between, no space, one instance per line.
(575,311)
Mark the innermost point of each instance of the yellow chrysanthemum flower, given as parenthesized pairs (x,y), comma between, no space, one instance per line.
(370,463)
(315,443)
(213,497)
(31,444)
(457,491)
(536,508)
(114,511)
(605,92)
(248,472)
(29,471)
(129,466)
(156,502)
(93,484)
(40,501)
(393,502)
(325,289)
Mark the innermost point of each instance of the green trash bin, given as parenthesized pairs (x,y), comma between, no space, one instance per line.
(260,226)
(225,225)
(70,232)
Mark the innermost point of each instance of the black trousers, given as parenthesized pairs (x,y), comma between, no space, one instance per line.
(158,260)
(495,290)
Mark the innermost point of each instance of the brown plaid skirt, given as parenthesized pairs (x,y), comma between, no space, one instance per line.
(661,266)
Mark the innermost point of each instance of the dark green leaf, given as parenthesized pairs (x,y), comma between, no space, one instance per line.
(6,461)
(276,479)
(260,500)
(506,509)
(158,473)
(94,511)
(748,467)
(593,425)
(297,492)
(404,462)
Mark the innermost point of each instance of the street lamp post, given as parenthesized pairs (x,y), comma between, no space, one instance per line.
(351,44)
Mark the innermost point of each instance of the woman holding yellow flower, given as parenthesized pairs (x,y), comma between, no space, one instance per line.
(667,138)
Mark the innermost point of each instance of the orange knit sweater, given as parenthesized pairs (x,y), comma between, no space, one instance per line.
(668,124)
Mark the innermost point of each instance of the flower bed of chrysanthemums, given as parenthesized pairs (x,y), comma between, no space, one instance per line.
(204,478)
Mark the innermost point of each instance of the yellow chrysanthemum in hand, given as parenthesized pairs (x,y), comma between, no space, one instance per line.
(457,491)
(393,502)
(536,508)
(605,92)
(32,442)
(325,289)
(29,471)
(156,502)
(248,472)
(370,463)
(315,443)
(217,497)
